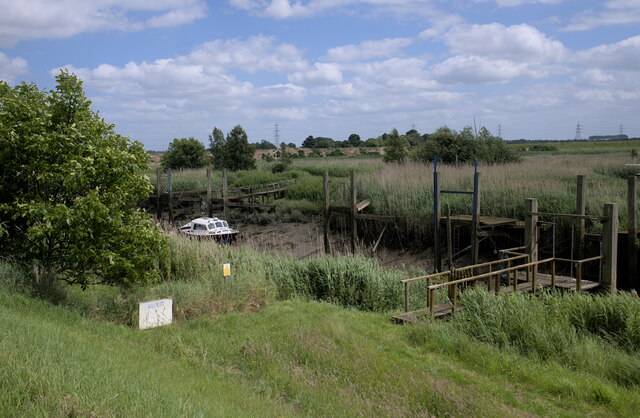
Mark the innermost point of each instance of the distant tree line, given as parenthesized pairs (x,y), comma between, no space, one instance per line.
(234,152)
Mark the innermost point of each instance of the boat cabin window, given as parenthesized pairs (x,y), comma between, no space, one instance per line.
(226,225)
(218,224)
(212,225)
(198,227)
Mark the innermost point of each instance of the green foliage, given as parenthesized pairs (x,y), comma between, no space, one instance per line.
(319,142)
(280,166)
(599,333)
(463,147)
(217,146)
(264,144)
(372,142)
(233,152)
(395,148)
(354,140)
(184,153)
(68,184)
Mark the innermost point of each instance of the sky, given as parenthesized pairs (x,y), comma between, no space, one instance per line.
(165,69)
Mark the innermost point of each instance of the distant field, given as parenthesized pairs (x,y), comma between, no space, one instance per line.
(580,147)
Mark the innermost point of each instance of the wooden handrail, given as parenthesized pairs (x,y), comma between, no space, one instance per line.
(482,276)
(474,266)
(569,215)
(585,260)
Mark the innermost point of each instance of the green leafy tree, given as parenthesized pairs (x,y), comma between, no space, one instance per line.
(68,185)
(217,146)
(184,153)
(354,140)
(238,152)
(395,148)
(264,144)
(463,147)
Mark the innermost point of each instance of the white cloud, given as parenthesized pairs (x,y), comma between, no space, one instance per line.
(622,56)
(12,68)
(521,43)
(615,12)
(255,54)
(186,95)
(384,48)
(291,9)
(440,23)
(320,74)
(469,69)
(36,19)
(513,3)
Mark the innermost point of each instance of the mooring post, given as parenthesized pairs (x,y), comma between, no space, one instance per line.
(449,238)
(531,230)
(475,217)
(610,247)
(209,207)
(225,195)
(632,232)
(437,210)
(354,225)
(158,194)
(170,195)
(579,223)
(327,248)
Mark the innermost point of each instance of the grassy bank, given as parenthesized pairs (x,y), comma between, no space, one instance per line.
(293,358)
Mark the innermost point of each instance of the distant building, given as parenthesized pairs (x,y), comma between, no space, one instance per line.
(608,137)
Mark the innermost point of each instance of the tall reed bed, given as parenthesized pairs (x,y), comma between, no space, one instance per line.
(597,334)
(193,278)
(407,190)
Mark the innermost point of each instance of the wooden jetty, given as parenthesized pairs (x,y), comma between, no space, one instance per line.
(499,276)
(187,202)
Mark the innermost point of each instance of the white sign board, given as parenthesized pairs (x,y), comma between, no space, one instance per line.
(155,313)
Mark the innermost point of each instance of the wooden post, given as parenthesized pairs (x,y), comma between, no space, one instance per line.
(579,277)
(225,195)
(158,194)
(449,238)
(170,195)
(475,219)
(632,233)
(579,223)
(406,297)
(531,231)
(610,247)
(354,225)
(437,211)
(327,245)
(209,207)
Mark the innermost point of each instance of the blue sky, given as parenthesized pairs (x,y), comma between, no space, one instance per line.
(164,69)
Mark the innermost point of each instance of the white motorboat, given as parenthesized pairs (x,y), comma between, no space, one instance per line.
(212,228)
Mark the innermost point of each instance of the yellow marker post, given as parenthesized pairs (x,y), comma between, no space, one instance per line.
(226,270)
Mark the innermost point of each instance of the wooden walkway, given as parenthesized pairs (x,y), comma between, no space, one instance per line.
(523,283)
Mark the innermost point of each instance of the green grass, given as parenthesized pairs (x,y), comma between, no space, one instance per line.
(293,358)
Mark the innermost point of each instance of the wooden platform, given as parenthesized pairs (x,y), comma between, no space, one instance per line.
(485,221)
(542,281)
